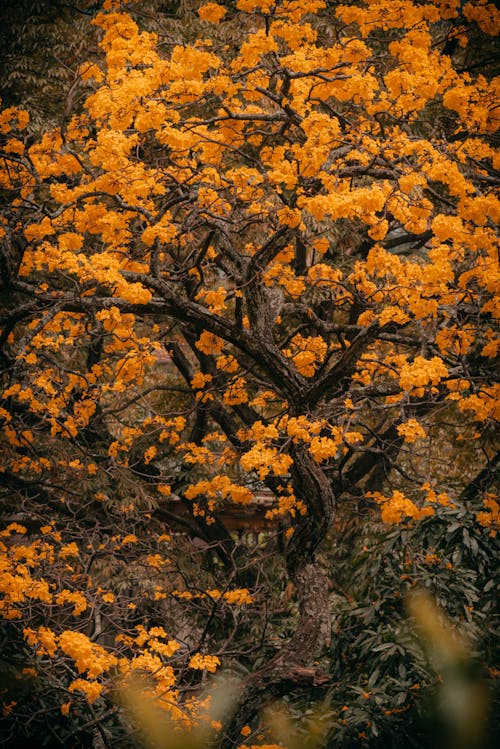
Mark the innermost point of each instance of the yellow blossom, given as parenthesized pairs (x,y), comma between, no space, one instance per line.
(91,689)
(204,662)
(411,430)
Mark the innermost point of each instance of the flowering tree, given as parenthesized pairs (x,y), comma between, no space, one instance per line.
(265,266)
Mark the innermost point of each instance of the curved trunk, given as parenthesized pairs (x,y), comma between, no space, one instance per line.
(293,666)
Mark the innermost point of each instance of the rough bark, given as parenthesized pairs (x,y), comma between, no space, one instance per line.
(293,666)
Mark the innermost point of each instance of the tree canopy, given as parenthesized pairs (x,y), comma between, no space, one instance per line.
(255,261)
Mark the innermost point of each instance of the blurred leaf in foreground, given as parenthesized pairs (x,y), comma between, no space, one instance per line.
(462,703)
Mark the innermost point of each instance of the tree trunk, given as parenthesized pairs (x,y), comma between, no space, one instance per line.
(292,667)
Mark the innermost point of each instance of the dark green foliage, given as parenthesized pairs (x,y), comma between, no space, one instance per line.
(382,673)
